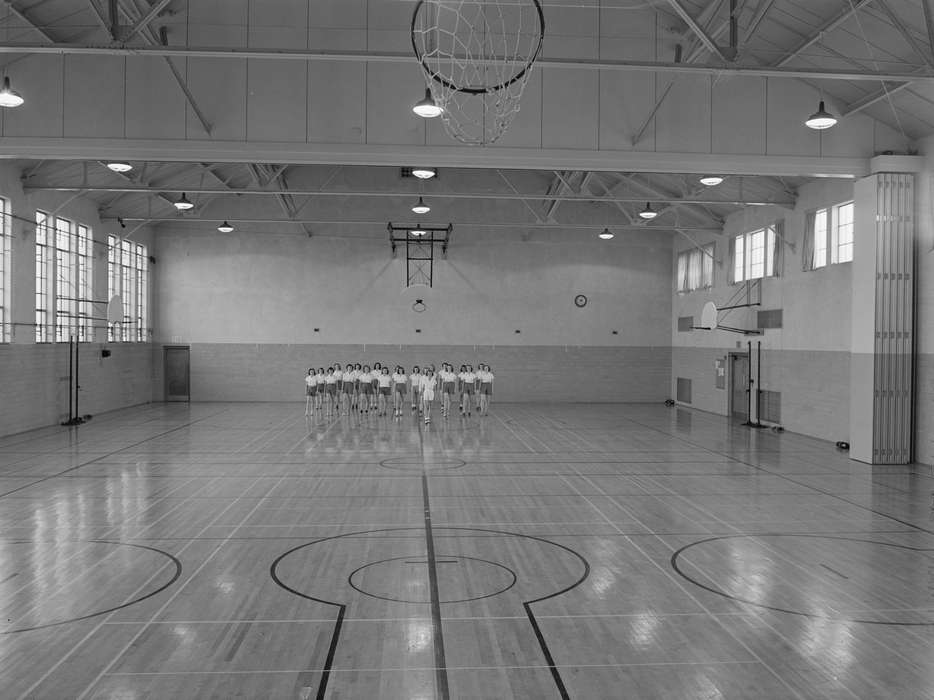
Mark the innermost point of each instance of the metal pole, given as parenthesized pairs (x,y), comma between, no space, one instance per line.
(71,376)
(77,385)
(758,381)
(751,383)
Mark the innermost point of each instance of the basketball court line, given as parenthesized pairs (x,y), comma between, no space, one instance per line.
(110,454)
(178,590)
(29,691)
(411,669)
(703,607)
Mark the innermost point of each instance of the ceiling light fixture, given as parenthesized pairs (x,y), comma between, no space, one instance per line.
(418,232)
(427,107)
(119,166)
(711,180)
(420,207)
(424,173)
(648,213)
(607,234)
(8,96)
(821,119)
(184,204)
(225,228)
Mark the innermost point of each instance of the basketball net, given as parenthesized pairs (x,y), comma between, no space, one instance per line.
(477,56)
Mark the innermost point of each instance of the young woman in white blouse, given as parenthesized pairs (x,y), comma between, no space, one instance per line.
(365,388)
(415,379)
(319,381)
(331,382)
(448,381)
(486,388)
(400,384)
(384,387)
(375,373)
(428,393)
(347,388)
(311,390)
(468,389)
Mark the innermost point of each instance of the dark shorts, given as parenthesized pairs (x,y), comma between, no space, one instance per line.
(311,390)
(486,388)
(468,388)
(332,389)
(400,389)
(448,387)
(366,388)
(348,387)
(385,390)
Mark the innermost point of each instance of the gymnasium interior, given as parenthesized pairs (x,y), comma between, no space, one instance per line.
(692,239)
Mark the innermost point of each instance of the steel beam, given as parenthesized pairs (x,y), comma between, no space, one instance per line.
(851,9)
(777,71)
(515,195)
(144,21)
(203,150)
(705,38)
(23,17)
(381,223)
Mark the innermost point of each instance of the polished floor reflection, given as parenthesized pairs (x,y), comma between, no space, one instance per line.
(543,551)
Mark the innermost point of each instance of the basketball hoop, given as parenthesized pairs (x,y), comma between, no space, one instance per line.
(708,317)
(477,56)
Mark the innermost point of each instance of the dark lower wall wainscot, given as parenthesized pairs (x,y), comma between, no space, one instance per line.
(259,372)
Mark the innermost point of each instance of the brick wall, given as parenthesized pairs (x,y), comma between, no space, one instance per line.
(35,382)
(274,372)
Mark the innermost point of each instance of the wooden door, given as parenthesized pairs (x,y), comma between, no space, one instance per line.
(177,372)
(739,386)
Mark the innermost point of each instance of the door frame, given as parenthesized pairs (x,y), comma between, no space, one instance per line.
(165,383)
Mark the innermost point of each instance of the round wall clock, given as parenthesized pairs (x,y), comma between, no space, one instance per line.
(580,301)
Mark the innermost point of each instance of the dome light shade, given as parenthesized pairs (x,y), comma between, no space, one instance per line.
(424,173)
(8,96)
(420,207)
(607,234)
(821,119)
(225,228)
(648,213)
(711,180)
(427,107)
(119,166)
(418,232)
(184,204)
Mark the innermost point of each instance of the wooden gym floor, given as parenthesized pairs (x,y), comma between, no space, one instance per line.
(544,551)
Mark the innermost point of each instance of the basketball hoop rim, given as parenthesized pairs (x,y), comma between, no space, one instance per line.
(479,91)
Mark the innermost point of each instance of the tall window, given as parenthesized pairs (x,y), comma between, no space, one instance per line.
(828,236)
(755,255)
(45,299)
(128,278)
(5,231)
(695,268)
(63,280)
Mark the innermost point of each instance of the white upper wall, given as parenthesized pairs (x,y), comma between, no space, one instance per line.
(816,304)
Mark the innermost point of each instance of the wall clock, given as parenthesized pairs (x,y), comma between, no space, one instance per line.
(580,301)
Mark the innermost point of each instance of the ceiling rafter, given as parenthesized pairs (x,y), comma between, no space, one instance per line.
(704,37)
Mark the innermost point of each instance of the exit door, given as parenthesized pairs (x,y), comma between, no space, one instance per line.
(739,386)
(177,372)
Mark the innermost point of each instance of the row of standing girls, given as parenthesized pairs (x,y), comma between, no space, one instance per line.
(360,388)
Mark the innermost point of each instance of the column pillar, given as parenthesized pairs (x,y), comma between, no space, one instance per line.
(882,347)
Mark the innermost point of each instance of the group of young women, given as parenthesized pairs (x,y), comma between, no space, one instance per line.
(357,387)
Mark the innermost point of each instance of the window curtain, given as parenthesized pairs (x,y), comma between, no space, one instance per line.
(707,257)
(731,260)
(681,282)
(777,242)
(807,247)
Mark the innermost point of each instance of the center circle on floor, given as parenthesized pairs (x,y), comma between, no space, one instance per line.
(417,464)
(823,577)
(406,579)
